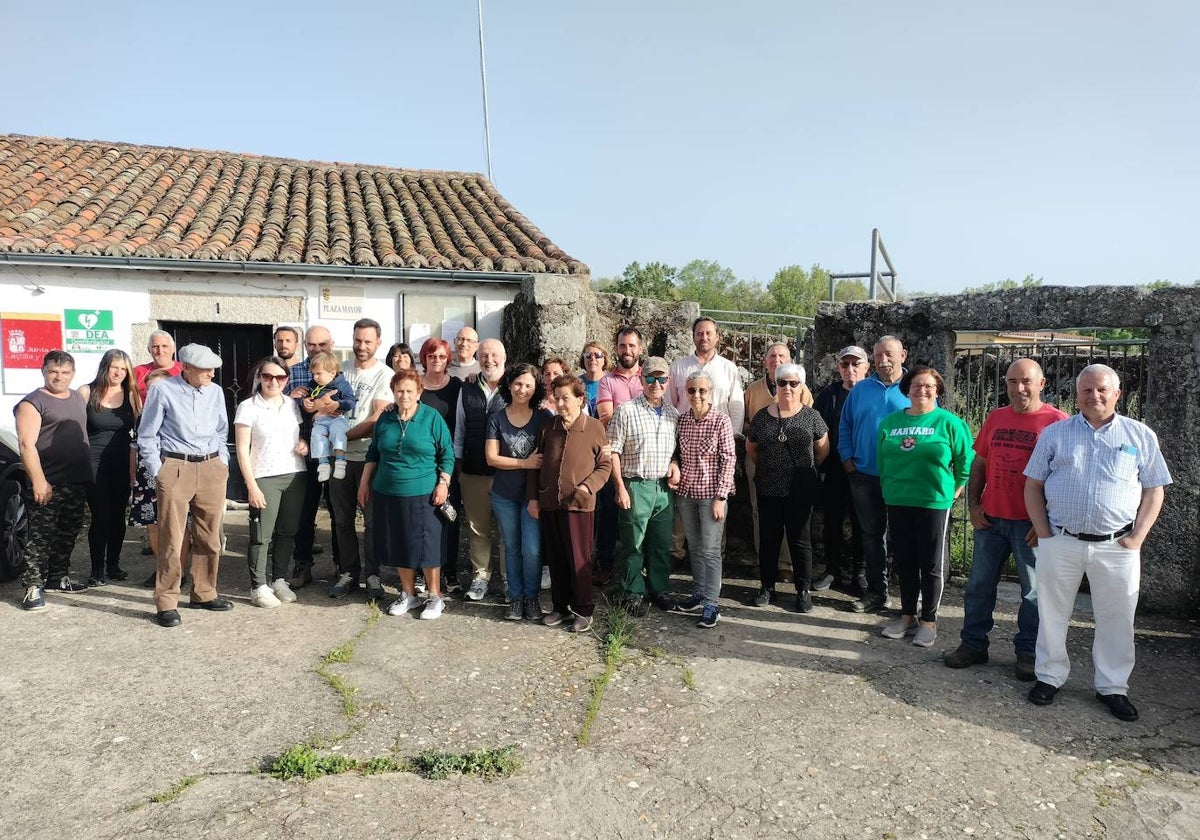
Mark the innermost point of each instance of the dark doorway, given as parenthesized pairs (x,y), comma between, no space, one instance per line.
(240,346)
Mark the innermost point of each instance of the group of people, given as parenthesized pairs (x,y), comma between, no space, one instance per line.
(600,473)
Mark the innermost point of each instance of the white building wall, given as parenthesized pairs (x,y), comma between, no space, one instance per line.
(133,295)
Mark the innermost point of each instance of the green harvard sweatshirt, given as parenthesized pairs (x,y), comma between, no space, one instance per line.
(924,458)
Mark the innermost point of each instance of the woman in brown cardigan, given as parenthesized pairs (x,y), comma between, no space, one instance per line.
(562,495)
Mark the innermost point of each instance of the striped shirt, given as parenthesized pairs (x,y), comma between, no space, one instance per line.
(1094,477)
(644,438)
(706,456)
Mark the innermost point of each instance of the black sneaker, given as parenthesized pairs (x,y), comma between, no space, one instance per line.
(450,584)
(804,602)
(97,580)
(117,574)
(965,657)
(35,599)
(763,598)
(533,609)
(635,606)
(694,604)
(65,584)
(1042,694)
(516,609)
(375,591)
(344,586)
(823,582)
(870,603)
(710,616)
(665,602)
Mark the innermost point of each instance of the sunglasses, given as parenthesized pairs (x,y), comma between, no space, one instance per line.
(693,391)
(788,383)
(273,377)
(650,380)
(593,355)
(855,363)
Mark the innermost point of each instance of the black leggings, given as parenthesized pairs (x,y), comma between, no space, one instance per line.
(776,515)
(918,537)
(107,500)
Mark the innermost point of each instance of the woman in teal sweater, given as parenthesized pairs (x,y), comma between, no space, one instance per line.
(925,458)
(407,477)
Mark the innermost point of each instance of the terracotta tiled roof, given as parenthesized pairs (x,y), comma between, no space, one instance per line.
(121,200)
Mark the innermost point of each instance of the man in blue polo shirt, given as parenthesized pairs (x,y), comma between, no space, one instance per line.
(869,402)
(1093,490)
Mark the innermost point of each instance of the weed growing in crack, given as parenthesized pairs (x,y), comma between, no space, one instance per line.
(174,791)
(303,762)
(617,636)
(689,678)
(495,763)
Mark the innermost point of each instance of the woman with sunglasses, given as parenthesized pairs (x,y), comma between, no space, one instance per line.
(270,453)
(706,457)
(594,362)
(787,441)
(440,392)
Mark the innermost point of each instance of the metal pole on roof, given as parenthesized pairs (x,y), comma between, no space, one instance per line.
(487,134)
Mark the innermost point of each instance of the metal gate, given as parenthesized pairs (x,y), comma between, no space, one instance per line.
(979,387)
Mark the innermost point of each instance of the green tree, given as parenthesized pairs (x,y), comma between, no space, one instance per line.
(714,286)
(1008,283)
(798,291)
(655,280)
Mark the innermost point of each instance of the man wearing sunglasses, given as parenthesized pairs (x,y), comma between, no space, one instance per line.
(181,438)
(642,434)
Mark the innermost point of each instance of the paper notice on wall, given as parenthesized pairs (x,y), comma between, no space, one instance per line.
(450,329)
(417,333)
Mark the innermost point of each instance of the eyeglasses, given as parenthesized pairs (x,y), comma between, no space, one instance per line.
(651,380)
(854,363)
(273,377)
(788,383)
(593,355)
(693,391)
(466,341)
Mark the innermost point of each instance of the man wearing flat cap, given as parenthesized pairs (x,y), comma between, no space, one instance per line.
(182,440)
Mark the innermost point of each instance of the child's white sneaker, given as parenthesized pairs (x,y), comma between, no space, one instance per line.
(323,471)
(339,468)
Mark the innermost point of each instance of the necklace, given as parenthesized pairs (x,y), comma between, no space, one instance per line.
(782,434)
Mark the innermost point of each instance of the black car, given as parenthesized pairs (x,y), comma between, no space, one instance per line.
(14,521)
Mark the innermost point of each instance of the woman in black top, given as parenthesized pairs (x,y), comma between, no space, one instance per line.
(787,441)
(441,394)
(112,409)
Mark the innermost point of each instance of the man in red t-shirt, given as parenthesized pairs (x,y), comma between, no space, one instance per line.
(995,495)
(162,355)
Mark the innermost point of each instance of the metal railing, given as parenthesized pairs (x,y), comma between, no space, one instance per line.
(879,280)
(745,336)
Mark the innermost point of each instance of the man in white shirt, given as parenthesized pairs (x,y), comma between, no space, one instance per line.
(370,378)
(728,395)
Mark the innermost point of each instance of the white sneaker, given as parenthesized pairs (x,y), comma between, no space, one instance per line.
(404,604)
(433,608)
(262,596)
(339,468)
(545,577)
(899,628)
(478,589)
(283,592)
(323,472)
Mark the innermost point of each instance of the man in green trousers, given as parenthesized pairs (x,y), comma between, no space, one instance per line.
(642,433)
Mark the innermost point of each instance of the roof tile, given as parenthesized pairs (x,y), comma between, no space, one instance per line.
(62,196)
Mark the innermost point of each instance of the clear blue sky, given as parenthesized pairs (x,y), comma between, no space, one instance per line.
(986,141)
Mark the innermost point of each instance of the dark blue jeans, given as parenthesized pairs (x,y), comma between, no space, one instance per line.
(867,495)
(992,548)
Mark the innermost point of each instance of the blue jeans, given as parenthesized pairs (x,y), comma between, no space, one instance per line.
(522,546)
(992,547)
(704,540)
(867,495)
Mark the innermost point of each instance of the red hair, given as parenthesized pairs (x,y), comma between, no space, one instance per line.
(431,346)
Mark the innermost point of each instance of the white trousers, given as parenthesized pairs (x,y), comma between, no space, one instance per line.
(1114,575)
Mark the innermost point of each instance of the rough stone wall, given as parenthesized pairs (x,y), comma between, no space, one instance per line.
(1171,555)
(556,315)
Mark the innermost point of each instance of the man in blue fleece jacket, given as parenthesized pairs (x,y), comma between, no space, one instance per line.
(869,402)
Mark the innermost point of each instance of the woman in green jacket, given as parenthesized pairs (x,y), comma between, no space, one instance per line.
(925,458)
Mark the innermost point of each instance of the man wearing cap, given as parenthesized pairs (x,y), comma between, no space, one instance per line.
(853,364)
(642,434)
(996,499)
(1094,488)
(867,404)
(760,394)
(182,440)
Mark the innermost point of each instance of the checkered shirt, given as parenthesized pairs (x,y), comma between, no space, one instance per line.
(706,456)
(643,439)
(1094,477)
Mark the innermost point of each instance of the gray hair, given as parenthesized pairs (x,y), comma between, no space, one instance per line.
(159,334)
(775,344)
(790,369)
(1103,371)
(885,339)
(697,375)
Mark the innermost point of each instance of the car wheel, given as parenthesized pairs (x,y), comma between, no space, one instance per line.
(14,529)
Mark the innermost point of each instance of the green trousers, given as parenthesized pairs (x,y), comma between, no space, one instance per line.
(273,528)
(644,533)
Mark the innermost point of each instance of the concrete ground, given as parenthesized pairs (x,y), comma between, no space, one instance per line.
(770,725)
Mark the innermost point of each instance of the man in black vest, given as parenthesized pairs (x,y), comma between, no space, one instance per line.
(479,397)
